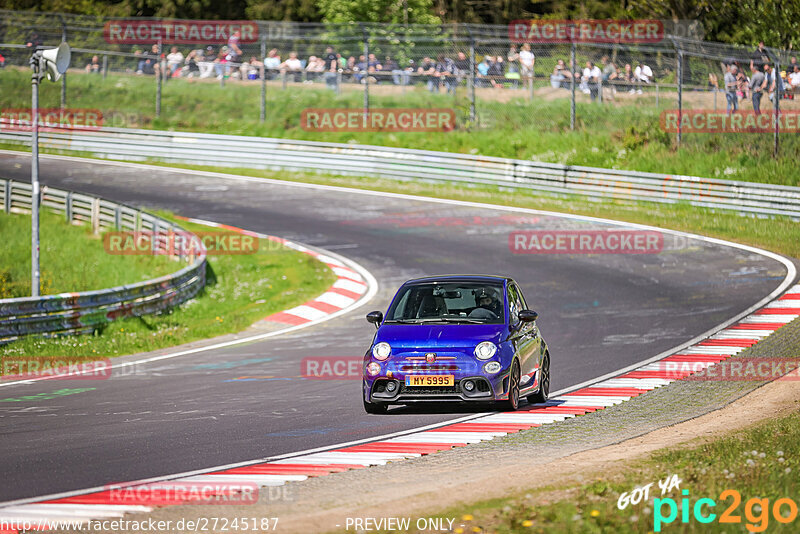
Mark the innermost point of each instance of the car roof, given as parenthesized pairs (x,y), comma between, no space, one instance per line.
(460,278)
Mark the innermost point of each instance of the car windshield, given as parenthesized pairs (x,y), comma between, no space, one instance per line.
(449,302)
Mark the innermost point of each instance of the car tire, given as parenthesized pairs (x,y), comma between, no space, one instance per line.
(512,404)
(543,394)
(375,408)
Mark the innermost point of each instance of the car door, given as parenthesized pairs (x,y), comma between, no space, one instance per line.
(532,333)
(525,343)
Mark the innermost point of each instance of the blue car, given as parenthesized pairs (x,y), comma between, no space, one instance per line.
(465,338)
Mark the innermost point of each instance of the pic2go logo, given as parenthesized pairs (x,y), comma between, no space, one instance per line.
(756,511)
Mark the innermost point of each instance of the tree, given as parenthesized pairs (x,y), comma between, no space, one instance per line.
(391,11)
(286,10)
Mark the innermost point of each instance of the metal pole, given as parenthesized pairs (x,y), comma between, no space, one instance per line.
(263,79)
(158,83)
(776,73)
(366,75)
(105,66)
(572,79)
(35,79)
(471,80)
(680,96)
(63,76)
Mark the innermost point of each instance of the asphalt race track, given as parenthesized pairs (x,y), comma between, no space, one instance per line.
(598,313)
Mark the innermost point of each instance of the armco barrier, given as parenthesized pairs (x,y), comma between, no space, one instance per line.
(398,163)
(73,313)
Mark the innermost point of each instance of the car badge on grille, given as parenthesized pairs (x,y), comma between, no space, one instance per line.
(430,357)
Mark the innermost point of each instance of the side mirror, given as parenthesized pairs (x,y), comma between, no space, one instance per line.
(527,316)
(375,317)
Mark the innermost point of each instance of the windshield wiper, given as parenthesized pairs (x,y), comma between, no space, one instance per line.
(461,320)
(436,320)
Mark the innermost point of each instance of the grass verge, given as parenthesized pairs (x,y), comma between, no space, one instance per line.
(759,463)
(624,134)
(241,289)
(66,254)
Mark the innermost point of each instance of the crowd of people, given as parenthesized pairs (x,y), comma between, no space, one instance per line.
(514,69)
(763,79)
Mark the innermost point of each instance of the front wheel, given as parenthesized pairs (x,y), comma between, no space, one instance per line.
(543,394)
(512,403)
(375,408)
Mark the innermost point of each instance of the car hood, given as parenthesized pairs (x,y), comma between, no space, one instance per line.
(434,336)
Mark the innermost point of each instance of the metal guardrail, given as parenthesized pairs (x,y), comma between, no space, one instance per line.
(74,313)
(399,163)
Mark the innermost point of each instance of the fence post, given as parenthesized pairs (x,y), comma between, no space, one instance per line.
(657,95)
(68,207)
(63,76)
(118,217)
(263,78)
(105,66)
(776,75)
(95,216)
(158,83)
(7,196)
(572,80)
(366,74)
(680,96)
(471,79)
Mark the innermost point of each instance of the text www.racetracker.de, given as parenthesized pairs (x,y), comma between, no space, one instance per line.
(201,524)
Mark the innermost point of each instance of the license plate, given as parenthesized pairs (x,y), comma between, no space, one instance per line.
(430,380)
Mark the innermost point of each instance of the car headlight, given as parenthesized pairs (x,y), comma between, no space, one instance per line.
(492,367)
(485,350)
(373,369)
(381,351)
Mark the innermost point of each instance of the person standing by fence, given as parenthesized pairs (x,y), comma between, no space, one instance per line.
(757,84)
(730,89)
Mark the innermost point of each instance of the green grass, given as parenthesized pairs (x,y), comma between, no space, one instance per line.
(624,135)
(241,289)
(66,254)
(706,470)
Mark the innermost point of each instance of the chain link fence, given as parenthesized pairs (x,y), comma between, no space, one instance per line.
(476,70)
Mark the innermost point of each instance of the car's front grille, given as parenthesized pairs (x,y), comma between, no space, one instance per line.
(430,390)
(429,367)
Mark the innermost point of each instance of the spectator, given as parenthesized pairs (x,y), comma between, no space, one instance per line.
(758,83)
(331,68)
(313,69)
(513,59)
(175,60)
(360,69)
(496,73)
(93,65)
(206,63)
(272,64)
(462,67)
(742,84)
(629,79)
(445,72)
(610,74)
(235,53)
(527,61)
(426,70)
(2,61)
(34,41)
(591,79)
(713,82)
(793,80)
(373,65)
(643,75)
(483,72)
(760,56)
(252,68)
(221,63)
(773,82)
(387,71)
(292,66)
(191,68)
(148,64)
(560,75)
(730,89)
